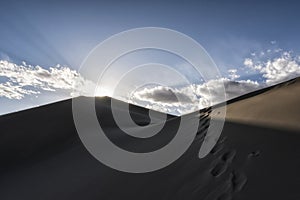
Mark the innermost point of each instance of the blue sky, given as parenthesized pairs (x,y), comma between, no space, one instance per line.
(47,33)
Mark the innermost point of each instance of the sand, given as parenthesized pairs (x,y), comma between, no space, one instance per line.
(279,107)
(42,156)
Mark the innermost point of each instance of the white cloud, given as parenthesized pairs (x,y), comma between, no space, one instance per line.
(233,74)
(248,62)
(192,97)
(166,99)
(19,78)
(277,69)
(14,91)
(213,89)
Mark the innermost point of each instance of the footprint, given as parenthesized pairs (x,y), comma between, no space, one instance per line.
(238,180)
(228,156)
(254,154)
(219,169)
(204,116)
(217,148)
(223,139)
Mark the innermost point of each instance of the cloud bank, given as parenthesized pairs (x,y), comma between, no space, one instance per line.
(276,70)
(270,67)
(21,80)
(186,99)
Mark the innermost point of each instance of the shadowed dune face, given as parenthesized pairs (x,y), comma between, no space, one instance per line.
(42,157)
(278,107)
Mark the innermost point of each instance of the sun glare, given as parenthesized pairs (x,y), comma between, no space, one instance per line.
(103,91)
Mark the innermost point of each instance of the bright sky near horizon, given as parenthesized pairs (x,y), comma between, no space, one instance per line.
(42,44)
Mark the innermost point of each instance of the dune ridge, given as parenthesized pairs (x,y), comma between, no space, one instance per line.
(42,156)
(277,107)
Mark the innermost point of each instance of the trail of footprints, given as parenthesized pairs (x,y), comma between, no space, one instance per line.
(236,180)
(204,123)
(231,180)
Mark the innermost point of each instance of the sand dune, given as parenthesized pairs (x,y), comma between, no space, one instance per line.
(278,107)
(42,156)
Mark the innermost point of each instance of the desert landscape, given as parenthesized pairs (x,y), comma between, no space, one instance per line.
(149,100)
(256,157)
